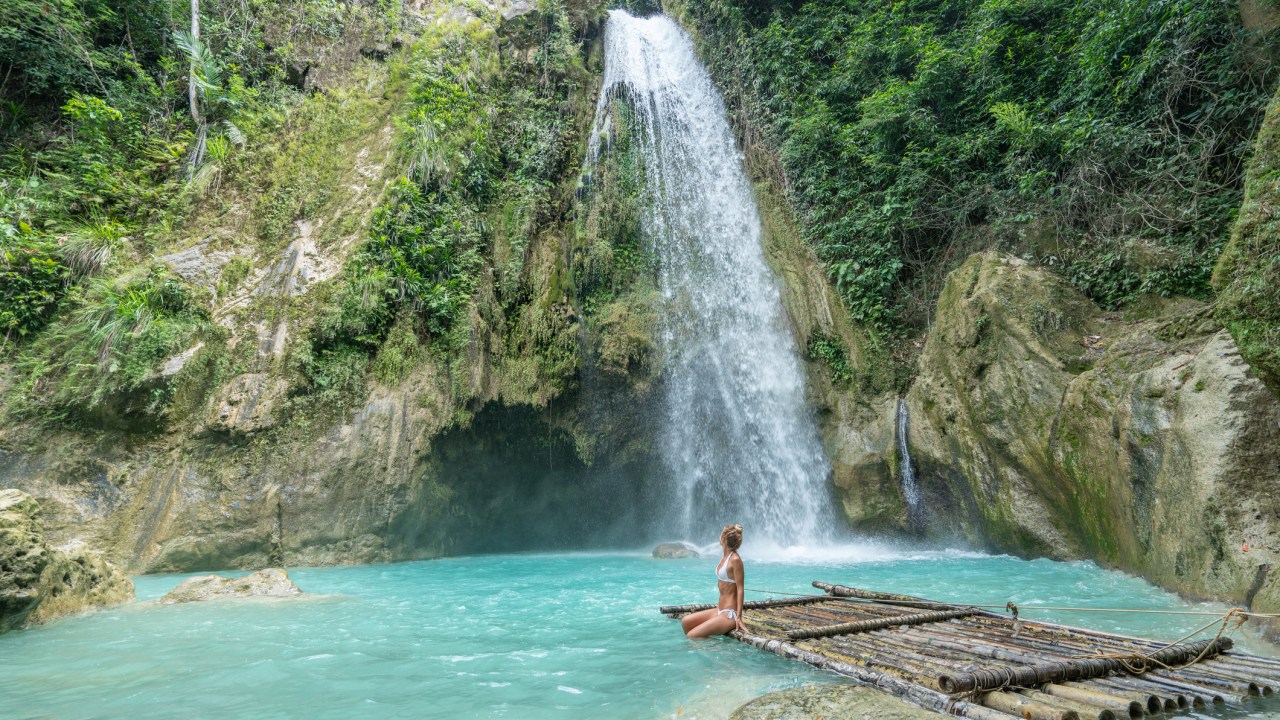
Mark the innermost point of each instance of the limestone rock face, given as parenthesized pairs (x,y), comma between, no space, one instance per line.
(829,701)
(674,551)
(39,583)
(1044,426)
(23,557)
(271,582)
(246,404)
(860,440)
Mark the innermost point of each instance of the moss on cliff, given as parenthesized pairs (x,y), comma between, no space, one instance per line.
(1248,272)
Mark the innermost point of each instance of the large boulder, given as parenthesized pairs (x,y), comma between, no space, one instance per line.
(271,582)
(39,583)
(1042,425)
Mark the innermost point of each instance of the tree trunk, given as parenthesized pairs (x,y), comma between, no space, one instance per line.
(192,90)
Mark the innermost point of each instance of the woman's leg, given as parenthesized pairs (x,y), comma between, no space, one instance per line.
(720,624)
(693,620)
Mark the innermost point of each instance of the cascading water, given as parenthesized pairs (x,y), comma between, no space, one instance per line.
(738,441)
(907,472)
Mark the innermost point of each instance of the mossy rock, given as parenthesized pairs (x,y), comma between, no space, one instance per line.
(1042,425)
(38,583)
(830,701)
(1247,275)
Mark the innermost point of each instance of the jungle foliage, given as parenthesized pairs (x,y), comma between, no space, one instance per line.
(99,171)
(1104,139)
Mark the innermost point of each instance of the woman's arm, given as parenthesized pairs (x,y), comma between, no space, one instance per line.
(740,580)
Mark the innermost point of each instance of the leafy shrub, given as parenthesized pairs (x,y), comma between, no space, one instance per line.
(32,281)
(832,352)
(111,342)
(429,245)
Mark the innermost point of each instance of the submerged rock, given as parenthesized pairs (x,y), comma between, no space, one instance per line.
(672,551)
(39,583)
(272,582)
(829,701)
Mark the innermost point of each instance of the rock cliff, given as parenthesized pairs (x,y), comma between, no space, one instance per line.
(1142,439)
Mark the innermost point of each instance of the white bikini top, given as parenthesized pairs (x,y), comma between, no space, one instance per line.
(722,570)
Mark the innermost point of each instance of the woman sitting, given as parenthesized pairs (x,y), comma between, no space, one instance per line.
(727,614)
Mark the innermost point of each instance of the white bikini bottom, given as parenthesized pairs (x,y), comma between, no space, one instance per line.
(733,614)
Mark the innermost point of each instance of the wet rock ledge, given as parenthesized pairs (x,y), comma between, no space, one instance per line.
(272,582)
(39,583)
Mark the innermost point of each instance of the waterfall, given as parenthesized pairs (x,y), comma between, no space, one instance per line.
(907,472)
(737,441)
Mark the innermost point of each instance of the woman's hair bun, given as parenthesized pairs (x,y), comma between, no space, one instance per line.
(732,535)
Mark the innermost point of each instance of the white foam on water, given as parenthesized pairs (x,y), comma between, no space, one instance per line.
(850,552)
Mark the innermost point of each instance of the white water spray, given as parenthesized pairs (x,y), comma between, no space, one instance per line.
(738,441)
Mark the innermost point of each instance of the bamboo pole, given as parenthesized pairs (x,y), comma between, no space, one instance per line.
(1154,703)
(1087,711)
(1271,678)
(922,696)
(845,591)
(1183,698)
(1015,704)
(753,605)
(1074,669)
(1238,689)
(1215,696)
(1162,697)
(1117,704)
(862,626)
(1255,685)
(978,712)
(926,670)
(1253,659)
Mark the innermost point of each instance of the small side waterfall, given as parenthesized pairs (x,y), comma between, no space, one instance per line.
(907,472)
(737,440)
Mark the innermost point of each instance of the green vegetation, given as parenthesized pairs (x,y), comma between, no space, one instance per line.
(455,257)
(104,167)
(1248,273)
(832,352)
(1105,141)
(108,347)
(614,266)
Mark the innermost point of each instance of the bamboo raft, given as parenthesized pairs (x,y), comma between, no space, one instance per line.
(979,664)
